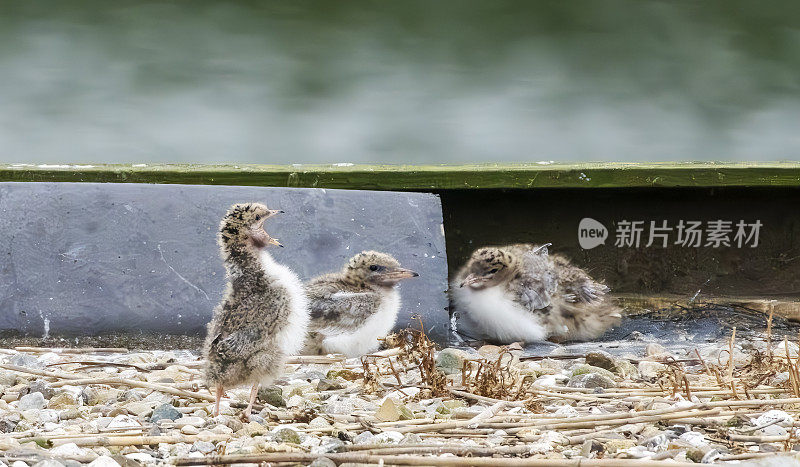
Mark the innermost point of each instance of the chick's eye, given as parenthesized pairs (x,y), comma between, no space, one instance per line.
(493,271)
(258,217)
(373,267)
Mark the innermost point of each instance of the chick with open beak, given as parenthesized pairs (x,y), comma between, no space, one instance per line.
(353,308)
(263,316)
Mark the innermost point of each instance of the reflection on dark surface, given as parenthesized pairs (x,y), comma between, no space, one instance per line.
(417,81)
(679,331)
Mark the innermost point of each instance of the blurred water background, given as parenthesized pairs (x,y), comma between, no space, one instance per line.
(209,81)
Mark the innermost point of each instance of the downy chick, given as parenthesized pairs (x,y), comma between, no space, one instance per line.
(521,293)
(264,315)
(352,308)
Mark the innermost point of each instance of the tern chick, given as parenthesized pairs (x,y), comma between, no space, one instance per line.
(522,293)
(352,308)
(264,315)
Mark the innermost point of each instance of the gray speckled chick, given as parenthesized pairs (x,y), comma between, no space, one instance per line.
(522,293)
(352,308)
(264,315)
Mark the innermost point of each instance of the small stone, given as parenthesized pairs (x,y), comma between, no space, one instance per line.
(131,395)
(616,445)
(48,463)
(328,385)
(490,351)
(590,446)
(190,430)
(736,421)
(654,349)
(773,416)
(68,450)
(348,375)
(33,401)
(253,429)
(584,369)
(454,404)
(626,369)
(62,401)
(122,461)
(124,421)
(47,416)
(391,437)
(651,370)
(8,378)
(591,380)
(69,414)
(231,422)
(165,412)
(322,462)
(411,438)
(287,435)
(695,455)
(28,361)
(329,444)
(203,446)
(272,395)
(141,457)
(297,388)
(772,430)
(601,359)
(392,411)
(7,426)
(365,437)
(140,408)
(98,396)
(221,430)
(104,461)
(193,421)
(39,386)
(450,361)
(318,422)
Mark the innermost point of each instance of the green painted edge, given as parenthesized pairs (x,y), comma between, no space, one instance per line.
(423,177)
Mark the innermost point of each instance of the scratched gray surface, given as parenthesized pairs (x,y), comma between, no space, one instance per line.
(84,259)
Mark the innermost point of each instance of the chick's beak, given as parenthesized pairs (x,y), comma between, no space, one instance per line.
(469,280)
(272,212)
(399,273)
(274,241)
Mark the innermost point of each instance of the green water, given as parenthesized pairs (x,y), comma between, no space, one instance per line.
(411,81)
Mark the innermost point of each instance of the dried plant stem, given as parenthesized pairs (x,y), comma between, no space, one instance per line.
(97,440)
(360,458)
(71,350)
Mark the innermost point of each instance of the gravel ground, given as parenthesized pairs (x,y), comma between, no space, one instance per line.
(409,405)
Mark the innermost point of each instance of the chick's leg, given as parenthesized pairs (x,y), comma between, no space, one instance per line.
(219,391)
(249,409)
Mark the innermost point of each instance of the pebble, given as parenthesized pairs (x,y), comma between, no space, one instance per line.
(190,430)
(650,370)
(165,412)
(193,421)
(104,461)
(450,360)
(601,359)
(591,380)
(69,450)
(287,435)
(32,401)
(62,401)
(26,360)
(203,446)
(322,462)
(392,437)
